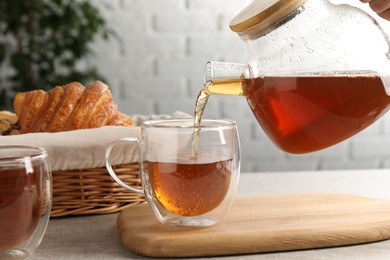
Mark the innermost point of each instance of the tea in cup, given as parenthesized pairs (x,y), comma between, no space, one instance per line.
(25,200)
(183,186)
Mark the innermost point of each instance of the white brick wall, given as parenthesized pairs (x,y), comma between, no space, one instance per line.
(156,67)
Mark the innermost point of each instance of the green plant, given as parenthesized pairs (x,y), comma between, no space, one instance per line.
(44,41)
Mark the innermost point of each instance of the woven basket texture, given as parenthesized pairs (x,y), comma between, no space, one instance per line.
(93,191)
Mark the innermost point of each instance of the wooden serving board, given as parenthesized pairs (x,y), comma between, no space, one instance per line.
(263,224)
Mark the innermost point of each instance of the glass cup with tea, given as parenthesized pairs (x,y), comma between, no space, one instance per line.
(25,200)
(189,174)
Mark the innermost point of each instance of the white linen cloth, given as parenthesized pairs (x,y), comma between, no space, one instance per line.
(80,149)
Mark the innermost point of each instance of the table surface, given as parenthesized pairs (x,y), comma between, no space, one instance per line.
(95,237)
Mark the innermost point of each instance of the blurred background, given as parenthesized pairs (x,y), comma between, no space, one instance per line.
(152,53)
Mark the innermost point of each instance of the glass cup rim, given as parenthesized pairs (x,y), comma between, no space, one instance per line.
(33,152)
(188,123)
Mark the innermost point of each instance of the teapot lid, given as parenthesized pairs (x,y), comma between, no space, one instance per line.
(263,13)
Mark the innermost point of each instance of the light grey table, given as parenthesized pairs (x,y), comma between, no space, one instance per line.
(95,237)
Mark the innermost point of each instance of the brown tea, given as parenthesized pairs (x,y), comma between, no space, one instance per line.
(20,203)
(190,189)
(302,114)
(305,114)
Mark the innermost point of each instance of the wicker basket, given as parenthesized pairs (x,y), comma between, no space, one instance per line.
(93,191)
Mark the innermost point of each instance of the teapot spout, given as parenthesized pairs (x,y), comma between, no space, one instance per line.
(226,78)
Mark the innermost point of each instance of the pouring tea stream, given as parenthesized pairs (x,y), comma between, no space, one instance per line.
(311,82)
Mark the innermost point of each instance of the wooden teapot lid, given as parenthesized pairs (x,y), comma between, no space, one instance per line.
(263,13)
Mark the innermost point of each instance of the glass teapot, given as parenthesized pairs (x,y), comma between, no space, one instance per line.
(319,72)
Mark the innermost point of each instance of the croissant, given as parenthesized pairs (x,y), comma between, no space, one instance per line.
(7,121)
(68,107)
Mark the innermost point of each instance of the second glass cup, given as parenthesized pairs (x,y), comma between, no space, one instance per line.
(186,182)
(25,200)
